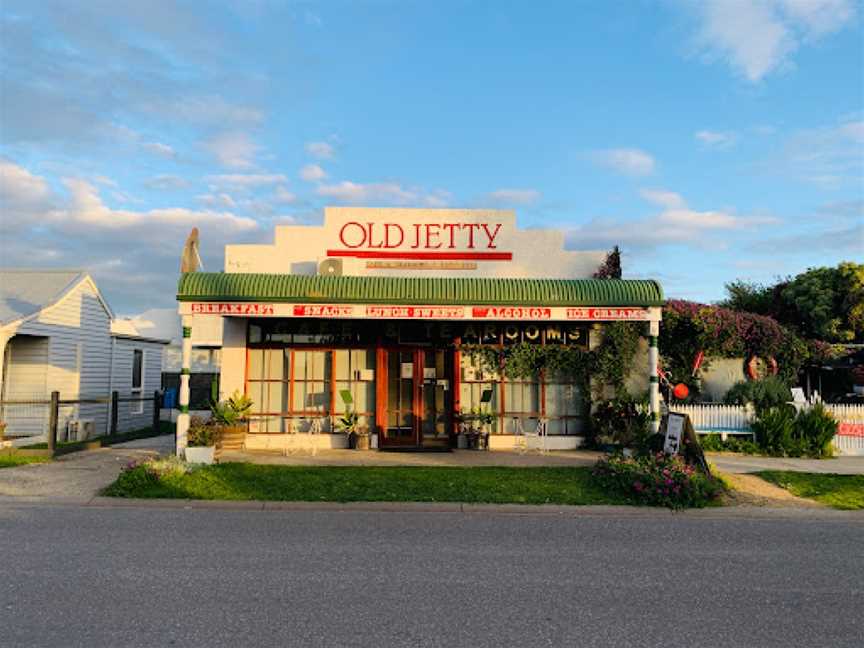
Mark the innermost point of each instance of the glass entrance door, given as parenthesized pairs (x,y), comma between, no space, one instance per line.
(419,400)
(401,419)
(436,398)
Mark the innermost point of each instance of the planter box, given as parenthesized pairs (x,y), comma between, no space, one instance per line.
(205,455)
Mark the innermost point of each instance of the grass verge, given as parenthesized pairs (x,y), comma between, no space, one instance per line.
(844,492)
(13,460)
(243,481)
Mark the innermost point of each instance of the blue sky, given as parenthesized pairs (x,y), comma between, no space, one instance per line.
(710,140)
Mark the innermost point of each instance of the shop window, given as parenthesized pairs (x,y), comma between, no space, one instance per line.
(355,372)
(291,388)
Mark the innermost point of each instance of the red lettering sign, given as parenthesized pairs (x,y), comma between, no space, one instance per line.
(323,310)
(850,429)
(639,314)
(511,312)
(216,308)
(415,312)
(420,241)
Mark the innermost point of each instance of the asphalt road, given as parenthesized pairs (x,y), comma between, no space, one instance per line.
(87,576)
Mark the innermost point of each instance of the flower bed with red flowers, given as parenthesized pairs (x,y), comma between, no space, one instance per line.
(657,480)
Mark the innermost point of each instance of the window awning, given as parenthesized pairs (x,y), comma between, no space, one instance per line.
(442,291)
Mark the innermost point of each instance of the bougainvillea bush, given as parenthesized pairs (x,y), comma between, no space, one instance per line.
(657,480)
(689,327)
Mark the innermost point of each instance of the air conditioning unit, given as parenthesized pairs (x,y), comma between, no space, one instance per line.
(330,268)
(80,429)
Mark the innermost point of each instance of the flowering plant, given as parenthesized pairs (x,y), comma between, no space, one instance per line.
(657,480)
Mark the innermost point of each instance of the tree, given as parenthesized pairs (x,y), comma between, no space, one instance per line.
(820,303)
(611,267)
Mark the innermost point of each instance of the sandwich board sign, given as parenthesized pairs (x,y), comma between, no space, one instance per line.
(674,432)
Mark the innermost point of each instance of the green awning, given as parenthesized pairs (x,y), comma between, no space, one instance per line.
(243,287)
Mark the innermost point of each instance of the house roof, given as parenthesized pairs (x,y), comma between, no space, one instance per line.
(219,286)
(26,292)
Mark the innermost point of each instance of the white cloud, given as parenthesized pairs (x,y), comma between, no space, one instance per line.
(312,173)
(20,189)
(514,196)
(664,198)
(675,224)
(159,148)
(628,161)
(760,36)
(828,157)
(320,150)
(388,192)
(282,195)
(245,181)
(717,139)
(221,200)
(211,109)
(234,150)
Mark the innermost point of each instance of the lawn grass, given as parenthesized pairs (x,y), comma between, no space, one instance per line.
(12,460)
(838,491)
(244,481)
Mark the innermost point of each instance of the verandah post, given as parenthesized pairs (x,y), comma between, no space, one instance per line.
(185,372)
(653,378)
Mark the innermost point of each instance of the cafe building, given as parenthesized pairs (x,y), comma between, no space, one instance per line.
(372,312)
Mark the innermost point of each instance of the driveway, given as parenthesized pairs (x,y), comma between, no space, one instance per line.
(79,475)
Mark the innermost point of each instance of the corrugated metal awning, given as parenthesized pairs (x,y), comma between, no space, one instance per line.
(243,287)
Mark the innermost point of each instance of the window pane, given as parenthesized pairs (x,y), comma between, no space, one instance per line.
(256,394)
(256,364)
(343,364)
(275,360)
(137,362)
(364,397)
(276,397)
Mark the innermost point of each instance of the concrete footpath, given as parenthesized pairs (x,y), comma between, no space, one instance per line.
(79,475)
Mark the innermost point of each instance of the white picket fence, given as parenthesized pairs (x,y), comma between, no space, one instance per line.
(709,418)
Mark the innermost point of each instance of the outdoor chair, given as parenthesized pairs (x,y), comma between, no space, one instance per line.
(533,440)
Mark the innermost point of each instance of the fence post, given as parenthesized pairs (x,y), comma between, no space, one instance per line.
(115,401)
(53,417)
(157,410)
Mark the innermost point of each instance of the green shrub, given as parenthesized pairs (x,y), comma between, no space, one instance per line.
(201,434)
(714,443)
(815,427)
(774,431)
(780,432)
(765,393)
(656,480)
(624,421)
(232,410)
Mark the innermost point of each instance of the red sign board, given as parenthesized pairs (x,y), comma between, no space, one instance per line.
(850,429)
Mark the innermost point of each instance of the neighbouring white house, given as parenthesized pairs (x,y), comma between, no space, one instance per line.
(57,333)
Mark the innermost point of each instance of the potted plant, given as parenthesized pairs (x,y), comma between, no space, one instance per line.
(230,416)
(201,441)
(480,438)
(348,425)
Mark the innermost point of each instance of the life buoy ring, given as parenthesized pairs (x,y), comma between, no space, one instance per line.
(757,368)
